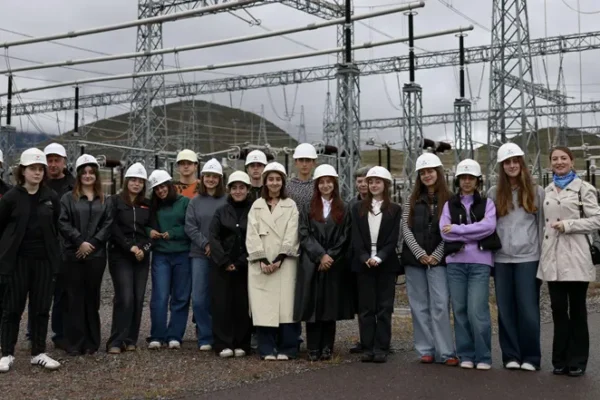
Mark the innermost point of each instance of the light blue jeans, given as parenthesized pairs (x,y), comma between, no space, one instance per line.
(201,300)
(429,299)
(470,293)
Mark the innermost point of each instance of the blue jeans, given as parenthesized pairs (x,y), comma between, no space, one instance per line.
(281,340)
(201,300)
(171,285)
(518,298)
(470,292)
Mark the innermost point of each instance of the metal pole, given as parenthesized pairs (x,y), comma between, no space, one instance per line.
(389,158)
(379,156)
(348,32)
(9,100)
(411,46)
(76,115)
(461,45)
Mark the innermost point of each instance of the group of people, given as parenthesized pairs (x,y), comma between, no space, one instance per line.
(258,252)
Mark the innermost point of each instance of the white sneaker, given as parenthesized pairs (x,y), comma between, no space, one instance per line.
(270,358)
(467,364)
(206,347)
(226,353)
(512,365)
(528,367)
(174,344)
(483,366)
(239,353)
(6,363)
(45,361)
(282,357)
(154,345)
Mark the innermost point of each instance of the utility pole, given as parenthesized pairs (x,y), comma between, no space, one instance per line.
(302,127)
(8,139)
(463,142)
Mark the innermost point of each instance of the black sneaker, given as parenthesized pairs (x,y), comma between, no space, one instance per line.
(357,349)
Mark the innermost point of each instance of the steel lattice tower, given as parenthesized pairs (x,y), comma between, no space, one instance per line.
(511,55)
(560,137)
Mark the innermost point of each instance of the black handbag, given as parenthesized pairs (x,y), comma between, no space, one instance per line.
(594,244)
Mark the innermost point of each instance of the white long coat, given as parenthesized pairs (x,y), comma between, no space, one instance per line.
(270,234)
(566,256)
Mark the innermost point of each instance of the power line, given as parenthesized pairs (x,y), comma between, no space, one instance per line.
(577,10)
(457,11)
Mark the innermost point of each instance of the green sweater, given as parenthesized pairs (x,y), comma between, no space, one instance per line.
(171,219)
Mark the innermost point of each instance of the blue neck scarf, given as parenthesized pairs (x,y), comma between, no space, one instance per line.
(563,181)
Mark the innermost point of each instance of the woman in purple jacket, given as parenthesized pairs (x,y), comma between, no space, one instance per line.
(468,226)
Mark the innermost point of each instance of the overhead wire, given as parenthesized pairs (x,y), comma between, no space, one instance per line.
(578,9)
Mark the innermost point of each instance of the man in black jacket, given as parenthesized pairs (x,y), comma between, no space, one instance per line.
(4,187)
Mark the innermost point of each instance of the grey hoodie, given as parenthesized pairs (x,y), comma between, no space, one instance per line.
(198,217)
(520,232)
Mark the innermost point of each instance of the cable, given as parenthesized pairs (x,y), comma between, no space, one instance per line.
(578,10)
(457,11)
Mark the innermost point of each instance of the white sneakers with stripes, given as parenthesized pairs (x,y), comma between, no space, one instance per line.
(42,360)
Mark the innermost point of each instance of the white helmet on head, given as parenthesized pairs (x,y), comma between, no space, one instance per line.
(56,149)
(305,150)
(212,166)
(187,155)
(468,167)
(508,150)
(238,176)
(137,170)
(158,177)
(33,156)
(324,170)
(428,160)
(380,172)
(274,167)
(256,156)
(86,159)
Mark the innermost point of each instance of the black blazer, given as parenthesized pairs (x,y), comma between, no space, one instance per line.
(387,240)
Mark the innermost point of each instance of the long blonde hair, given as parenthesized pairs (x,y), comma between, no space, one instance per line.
(526,196)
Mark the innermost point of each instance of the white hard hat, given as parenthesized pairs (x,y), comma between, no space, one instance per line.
(256,156)
(428,160)
(86,159)
(305,150)
(468,167)
(33,156)
(158,177)
(1,157)
(137,170)
(508,150)
(324,170)
(380,172)
(238,176)
(55,148)
(274,167)
(187,155)
(212,166)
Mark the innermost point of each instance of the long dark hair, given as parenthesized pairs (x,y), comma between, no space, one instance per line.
(78,189)
(20,177)
(337,205)
(440,188)
(526,196)
(156,202)
(139,198)
(366,204)
(203,191)
(264,192)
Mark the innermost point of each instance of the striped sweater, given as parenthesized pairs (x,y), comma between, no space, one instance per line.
(409,238)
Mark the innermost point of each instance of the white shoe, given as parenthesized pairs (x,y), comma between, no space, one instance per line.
(6,363)
(483,366)
(45,361)
(512,365)
(239,353)
(282,357)
(270,358)
(528,367)
(174,344)
(467,364)
(154,345)
(206,347)
(226,353)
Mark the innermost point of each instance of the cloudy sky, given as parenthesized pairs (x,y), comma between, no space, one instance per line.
(380,97)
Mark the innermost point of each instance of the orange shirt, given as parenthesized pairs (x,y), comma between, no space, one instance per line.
(186,190)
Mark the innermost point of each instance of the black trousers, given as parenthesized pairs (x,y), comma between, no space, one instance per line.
(376,292)
(320,335)
(83,282)
(34,279)
(129,280)
(571,343)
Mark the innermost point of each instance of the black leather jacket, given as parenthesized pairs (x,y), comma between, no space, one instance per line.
(228,235)
(129,227)
(85,221)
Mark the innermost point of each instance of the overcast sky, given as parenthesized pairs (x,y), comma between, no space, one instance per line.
(440,86)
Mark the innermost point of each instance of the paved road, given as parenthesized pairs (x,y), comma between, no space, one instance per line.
(402,377)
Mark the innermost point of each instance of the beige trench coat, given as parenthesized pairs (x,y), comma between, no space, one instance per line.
(270,234)
(566,256)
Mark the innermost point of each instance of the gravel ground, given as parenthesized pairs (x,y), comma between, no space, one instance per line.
(174,374)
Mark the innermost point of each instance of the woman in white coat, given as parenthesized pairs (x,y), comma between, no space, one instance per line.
(272,244)
(566,262)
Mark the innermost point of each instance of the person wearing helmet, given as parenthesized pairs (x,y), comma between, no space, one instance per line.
(301,188)
(425,265)
(129,259)
(375,233)
(85,222)
(324,283)
(29,257)
(171,269)
(255,164)
(272,244)
(229,272)
(187,166)
(211,196)
(468,227)
(519,207)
